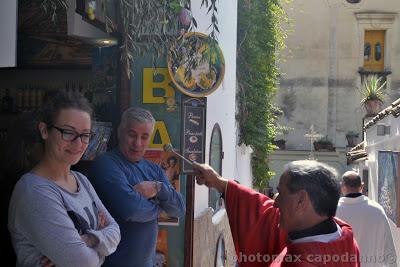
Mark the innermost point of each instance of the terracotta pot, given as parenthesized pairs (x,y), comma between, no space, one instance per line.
(281,144)
(373,107)
(351,140)
(323,147)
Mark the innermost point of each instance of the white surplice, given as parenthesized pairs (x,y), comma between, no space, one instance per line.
(371,230)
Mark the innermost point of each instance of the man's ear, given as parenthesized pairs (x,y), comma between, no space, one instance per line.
(43,130)
(343,189)
(302,200)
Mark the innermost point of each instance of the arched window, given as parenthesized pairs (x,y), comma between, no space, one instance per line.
(221,253)
(216,156)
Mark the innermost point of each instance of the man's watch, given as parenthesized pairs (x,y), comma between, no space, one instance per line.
(158,186)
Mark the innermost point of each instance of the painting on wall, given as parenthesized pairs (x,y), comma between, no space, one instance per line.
(161,256)
(388,191)
(170,164)
(54,51)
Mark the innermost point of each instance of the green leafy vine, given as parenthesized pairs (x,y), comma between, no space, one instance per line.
(148,27)
(260,38)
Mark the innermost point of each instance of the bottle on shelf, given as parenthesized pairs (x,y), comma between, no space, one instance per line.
(39,97)
(7,102)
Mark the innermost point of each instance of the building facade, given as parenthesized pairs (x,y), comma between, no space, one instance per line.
(332,47)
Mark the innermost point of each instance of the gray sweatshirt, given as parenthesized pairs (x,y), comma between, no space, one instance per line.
(46,220)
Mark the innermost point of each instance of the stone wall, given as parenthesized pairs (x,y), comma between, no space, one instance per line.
(208,227)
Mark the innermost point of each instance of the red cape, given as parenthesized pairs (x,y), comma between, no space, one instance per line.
(259,240)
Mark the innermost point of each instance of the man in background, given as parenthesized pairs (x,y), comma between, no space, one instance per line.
(369,222)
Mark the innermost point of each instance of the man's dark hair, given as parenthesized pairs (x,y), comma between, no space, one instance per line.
(319,180)
(351,180)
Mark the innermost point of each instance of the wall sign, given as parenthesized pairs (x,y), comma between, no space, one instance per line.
(194,131)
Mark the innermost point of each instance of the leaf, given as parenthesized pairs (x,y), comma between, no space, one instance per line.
(146,26)
(194,22)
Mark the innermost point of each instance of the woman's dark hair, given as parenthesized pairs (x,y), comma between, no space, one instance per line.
(55,102)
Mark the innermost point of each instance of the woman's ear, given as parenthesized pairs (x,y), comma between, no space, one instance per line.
(43,130)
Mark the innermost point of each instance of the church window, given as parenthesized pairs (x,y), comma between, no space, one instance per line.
(374,50)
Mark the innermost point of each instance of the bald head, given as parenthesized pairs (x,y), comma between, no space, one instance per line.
(351,182)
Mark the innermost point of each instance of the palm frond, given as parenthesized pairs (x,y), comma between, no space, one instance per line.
(373,89)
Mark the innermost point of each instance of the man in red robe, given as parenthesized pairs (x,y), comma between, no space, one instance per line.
(304,209)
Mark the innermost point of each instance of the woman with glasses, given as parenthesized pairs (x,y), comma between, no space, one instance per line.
(55,216)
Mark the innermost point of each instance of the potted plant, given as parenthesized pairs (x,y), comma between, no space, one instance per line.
(373,94)
(280,143)
(281,130)
(352,137)
(324,143)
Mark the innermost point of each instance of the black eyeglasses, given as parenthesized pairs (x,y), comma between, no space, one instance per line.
(70,135)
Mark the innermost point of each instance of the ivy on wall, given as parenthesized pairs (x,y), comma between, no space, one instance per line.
(260,38)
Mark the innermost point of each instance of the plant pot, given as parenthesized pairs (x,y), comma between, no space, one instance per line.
(373,107)
(281,144)
(323,147)
(351,140)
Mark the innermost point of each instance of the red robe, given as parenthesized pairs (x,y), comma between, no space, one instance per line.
(259,241)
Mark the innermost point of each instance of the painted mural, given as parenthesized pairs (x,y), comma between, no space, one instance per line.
(388,171)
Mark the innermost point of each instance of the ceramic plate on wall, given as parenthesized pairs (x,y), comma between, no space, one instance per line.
(196,65)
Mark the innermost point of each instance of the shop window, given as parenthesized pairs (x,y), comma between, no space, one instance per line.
(216,156)
(374,44)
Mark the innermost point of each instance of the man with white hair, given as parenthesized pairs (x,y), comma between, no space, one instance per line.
(369,222)
(135,191)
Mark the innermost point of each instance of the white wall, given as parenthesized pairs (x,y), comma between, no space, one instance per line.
(374,145)
(221,105)
(8,33)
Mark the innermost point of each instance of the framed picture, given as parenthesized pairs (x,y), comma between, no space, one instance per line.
(53,51)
